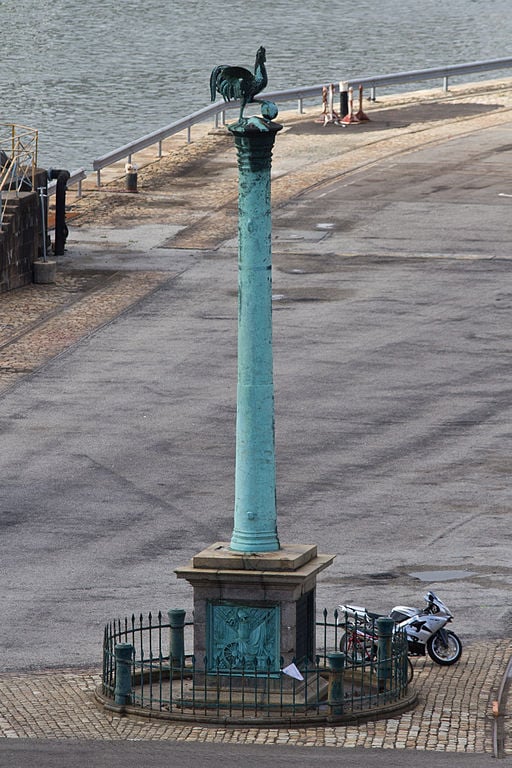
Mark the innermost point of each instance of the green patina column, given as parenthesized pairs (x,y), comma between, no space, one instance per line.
(254,600)
(255,523)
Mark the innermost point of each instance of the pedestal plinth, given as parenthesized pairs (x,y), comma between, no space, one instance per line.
(254,606)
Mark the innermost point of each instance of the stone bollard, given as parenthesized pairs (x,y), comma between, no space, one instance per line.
(384,652)
(336,693)
(176,636)
(124,653)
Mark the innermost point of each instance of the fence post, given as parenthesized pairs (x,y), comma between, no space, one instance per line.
(176,635)
(384,661)
(124,653)
(335,692)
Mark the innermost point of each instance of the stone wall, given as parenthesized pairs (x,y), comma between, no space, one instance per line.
(21,237)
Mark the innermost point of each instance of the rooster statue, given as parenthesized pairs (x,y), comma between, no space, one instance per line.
(239,83)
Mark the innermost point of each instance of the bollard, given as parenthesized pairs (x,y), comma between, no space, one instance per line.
(176,636)
(323,118)
(343,100)
(335,692)
(384,652)
(350,118)
(361,115)
(124,653)
(131,177)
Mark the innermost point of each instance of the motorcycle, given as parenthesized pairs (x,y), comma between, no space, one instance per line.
(425,631)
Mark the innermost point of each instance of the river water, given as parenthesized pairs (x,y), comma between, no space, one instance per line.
(91,75)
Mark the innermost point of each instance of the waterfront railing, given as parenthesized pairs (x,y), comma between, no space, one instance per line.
(217,111)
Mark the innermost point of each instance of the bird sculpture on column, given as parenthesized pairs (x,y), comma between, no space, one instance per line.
(239,83)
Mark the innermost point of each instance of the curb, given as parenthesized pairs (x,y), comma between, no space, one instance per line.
(288,721)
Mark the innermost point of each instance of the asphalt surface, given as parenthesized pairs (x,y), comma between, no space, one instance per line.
(393,401)
(392,414)
(392,304)
(26,754)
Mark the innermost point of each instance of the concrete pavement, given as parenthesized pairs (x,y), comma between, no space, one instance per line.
(392,385)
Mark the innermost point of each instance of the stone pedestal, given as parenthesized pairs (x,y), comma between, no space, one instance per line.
(254,606)
(45,272)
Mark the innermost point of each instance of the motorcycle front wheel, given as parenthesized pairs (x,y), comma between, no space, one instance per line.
(444,651)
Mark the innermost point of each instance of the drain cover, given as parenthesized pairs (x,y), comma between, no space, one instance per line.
(441,575)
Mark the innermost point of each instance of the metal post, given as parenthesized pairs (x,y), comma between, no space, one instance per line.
(384,655)
(255,524)
(343,88)
(335,692)
(176,636)
(43,196)
(445,84)
(124,653)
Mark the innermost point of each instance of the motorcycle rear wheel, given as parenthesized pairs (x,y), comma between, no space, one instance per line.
(444,653)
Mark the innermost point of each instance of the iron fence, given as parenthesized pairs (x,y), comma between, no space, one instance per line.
(144,672)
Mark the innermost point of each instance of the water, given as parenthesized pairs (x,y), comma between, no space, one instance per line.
(92,75)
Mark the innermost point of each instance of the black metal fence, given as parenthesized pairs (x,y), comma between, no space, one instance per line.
(359,670)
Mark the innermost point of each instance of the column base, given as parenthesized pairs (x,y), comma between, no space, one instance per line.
(239,597)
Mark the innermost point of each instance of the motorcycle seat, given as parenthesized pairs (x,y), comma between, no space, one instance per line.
(374,615)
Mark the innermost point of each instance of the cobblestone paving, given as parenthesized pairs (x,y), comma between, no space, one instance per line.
(453,714)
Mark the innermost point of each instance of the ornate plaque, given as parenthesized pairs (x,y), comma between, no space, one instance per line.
(243,638)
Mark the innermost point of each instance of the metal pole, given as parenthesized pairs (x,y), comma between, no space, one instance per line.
(42,203)
(255,523)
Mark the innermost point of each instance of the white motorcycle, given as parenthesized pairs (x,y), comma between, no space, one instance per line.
(425,631)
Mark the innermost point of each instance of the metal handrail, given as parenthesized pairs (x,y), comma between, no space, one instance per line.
(291,94)
(433,73)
